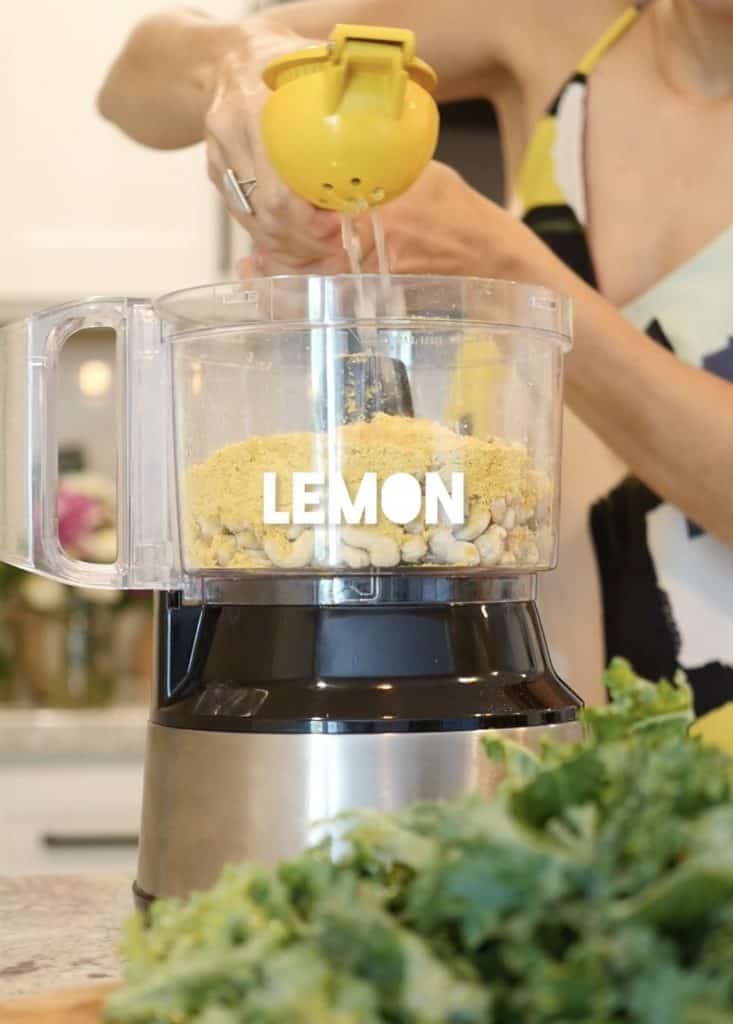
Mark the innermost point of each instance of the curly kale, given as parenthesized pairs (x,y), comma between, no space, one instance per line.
(595,887)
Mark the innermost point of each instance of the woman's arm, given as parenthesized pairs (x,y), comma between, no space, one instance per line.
(670,422)
(161,85)
(163,82)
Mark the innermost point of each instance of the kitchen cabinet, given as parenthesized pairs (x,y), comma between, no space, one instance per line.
(70,790)
(83,209)
(77,817)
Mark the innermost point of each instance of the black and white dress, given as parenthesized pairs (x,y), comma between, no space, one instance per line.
(662,586)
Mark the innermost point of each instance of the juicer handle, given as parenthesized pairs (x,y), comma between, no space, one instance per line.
(29,357)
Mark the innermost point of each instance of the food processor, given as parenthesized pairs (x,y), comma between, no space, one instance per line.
(341,490)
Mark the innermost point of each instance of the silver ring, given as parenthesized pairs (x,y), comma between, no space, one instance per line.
(239,190)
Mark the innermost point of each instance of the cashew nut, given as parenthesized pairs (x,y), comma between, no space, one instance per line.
(208,527)
(250,559)
(510,518)
(238,526)
(508,558)
(478,520)
(384,551)
(524,514)
(358,537)
(415,526)
(287,554)
(294,531)
(490,545)
(498,511)
(517,539)
(225,550)
(413,549)
(355,558)
(245,539)
(443,517)
(450,551)
(531,553)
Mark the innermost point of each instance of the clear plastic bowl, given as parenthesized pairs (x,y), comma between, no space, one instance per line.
(362,424)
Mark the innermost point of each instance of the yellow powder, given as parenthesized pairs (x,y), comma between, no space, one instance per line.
(226,491)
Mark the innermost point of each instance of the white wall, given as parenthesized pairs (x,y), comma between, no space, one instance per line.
(82,209)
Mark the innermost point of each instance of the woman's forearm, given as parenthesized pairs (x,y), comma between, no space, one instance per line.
(160,86)
(670,422)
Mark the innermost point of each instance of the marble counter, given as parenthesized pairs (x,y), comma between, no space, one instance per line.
(41,734)
(58,932)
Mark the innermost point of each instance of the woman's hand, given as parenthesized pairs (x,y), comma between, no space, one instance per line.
(286,227)
(443,226)
(439,226)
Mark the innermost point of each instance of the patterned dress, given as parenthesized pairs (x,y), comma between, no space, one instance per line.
(665,586)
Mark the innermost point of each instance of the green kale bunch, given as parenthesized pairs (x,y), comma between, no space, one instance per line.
(595,887)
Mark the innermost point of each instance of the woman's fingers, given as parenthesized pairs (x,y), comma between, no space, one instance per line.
(269,259)
(286,229)
(281,220)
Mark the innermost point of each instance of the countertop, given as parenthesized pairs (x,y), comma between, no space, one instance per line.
(58,932)
(117,732)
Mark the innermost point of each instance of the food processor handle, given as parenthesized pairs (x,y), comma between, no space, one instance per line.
(30,351)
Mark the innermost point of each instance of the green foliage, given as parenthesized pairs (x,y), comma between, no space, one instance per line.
(596,887)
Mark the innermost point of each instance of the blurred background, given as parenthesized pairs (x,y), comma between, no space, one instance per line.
(84,211)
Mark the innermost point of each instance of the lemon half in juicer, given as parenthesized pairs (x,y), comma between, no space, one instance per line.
(351,124)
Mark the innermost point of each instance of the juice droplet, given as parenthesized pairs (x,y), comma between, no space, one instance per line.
(379,243)
(350,242)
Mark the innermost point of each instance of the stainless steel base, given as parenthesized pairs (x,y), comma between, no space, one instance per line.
(215,797)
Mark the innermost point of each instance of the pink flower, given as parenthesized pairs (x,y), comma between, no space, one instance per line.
(78,517)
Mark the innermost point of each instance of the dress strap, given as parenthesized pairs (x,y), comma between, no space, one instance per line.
(551,178)
(606,41)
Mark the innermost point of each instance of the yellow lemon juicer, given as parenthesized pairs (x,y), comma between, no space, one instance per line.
(351,124)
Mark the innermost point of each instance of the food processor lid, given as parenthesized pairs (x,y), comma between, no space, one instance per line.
(408,301)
